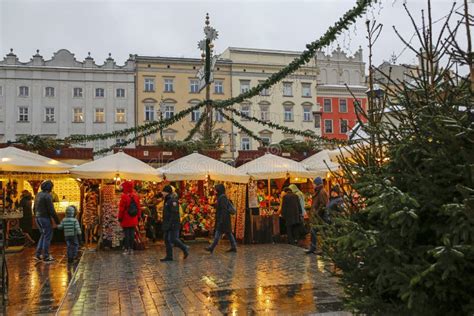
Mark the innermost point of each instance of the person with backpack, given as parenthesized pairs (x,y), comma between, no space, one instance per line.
(72,232)
(129,214)
(171,224)
(224,209)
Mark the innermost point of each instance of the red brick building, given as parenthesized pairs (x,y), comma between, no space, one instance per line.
(337,113)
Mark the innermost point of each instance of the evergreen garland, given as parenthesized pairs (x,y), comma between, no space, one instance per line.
(240,126)
(195,128)
(343,24)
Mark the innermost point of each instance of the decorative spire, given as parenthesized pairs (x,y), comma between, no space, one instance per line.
(110,57)
(37,53)
(89,56)
(11,52)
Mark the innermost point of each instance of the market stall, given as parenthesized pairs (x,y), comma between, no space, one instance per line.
(268,175)
(101,194)
(195,175)
(21,170)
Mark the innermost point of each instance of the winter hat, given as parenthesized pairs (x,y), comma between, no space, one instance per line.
(71,211)
(318,181)
(168,189)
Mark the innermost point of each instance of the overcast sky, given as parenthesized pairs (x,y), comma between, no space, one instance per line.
(173,28)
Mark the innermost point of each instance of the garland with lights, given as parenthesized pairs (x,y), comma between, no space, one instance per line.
(195,128)
(285,129)
(152,127)
(240,126)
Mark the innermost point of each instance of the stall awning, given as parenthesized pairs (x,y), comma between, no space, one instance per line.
(13,159)
(117,165)
(320,162)
(270,166)
(196,167)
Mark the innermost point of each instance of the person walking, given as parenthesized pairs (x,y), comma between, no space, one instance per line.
(44,213)
(26,222)
(318,209)
(300,195)
(72,232)
(129,213)
(292,213)
(171,224)
(223,221)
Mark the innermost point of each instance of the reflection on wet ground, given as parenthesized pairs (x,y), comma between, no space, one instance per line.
(257,279)
(37,287)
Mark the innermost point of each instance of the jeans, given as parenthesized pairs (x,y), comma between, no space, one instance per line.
(218,236)
(129,237)
(172,239)
(72,243)
(314,239)
(46,230)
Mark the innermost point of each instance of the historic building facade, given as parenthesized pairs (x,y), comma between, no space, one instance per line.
(167,85)
(62,96)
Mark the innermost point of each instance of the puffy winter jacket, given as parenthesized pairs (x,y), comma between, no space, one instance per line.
(70,224)
(128,194)
(171,213)
(44,206)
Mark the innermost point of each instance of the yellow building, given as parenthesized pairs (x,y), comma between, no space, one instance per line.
(167,85)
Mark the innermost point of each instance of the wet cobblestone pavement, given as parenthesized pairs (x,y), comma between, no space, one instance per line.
(259,279)
(37,287)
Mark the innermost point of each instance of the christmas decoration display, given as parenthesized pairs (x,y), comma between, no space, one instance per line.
(237,194)
(111,231)
(198,214)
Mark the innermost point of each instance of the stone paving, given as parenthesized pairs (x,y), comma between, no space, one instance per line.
(37,287)
(259,279)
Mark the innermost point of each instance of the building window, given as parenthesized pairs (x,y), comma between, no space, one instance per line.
(49,92)
(99,115)
(288,113)
(169,135)
(264,113)
(194,86)
(99,93)
(245,110)
(169,85)
(77,93)
(24,91)
(149,84)
(264,92)
(1,90)
(23,114)
(344,126)
(307,113)
(327,106)
(149,113)
(99,144)
(120,116)
(245,143)
(306,89)
(244,86)
(288,136)
(219,117)
(195,115)
(342,106)
(49,115)
(169,111)
(120,93)
(78,115)
(287,89)
(328,126)
(218,87)
(358,105)
(317,121)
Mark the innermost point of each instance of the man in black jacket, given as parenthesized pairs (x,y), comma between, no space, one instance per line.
(292,213)
(44,212)
(171,225)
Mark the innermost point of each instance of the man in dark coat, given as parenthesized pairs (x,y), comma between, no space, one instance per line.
(318,209)
(44,212)
(171,224)
(223,220)
(292,213)
(26,222)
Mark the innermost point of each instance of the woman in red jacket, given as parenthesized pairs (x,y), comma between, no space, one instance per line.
(129,214)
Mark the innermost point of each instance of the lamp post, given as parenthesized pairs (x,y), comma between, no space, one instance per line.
(206,46)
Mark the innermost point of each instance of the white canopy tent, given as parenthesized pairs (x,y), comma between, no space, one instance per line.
(197,167)
(320,162)
(270,166)
(117,165)
(13,159)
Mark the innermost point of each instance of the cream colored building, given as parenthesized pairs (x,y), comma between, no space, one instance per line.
(167,85)
(290,103)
